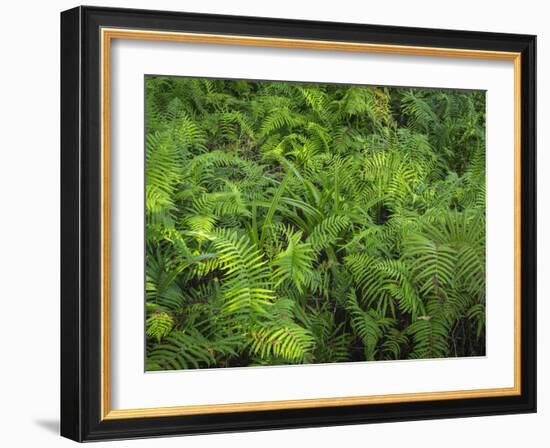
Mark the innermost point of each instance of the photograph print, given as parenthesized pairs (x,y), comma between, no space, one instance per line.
(307,223)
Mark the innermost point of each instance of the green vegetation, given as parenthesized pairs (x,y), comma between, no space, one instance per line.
(297,223)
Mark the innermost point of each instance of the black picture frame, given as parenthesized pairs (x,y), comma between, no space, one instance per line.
(81,224)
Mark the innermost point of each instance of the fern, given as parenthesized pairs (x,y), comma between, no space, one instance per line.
(287,341)
(430,338)
(291,223)
(366,324)
(159,325)
(187,349)
(246,276)
(327,232)
(294,263)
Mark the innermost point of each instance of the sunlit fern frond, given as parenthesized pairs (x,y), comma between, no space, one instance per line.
(327,231)
(285,340)
(158,325)
(280,119)
(294,264)
(246,279)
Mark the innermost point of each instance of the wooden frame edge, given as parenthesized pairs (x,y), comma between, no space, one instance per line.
(107,34)
(306,403)
(517,222)
(105,225)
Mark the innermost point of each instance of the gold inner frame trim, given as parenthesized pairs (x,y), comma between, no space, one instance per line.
(107,35)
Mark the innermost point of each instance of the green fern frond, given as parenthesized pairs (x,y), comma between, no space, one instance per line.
(294,263)
(288,341)
(181,350)
(434,263)
(430,338)
(365,326)
(246,278)
(326,232)
(159,325)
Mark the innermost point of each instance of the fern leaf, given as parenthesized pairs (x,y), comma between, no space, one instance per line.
(294,263)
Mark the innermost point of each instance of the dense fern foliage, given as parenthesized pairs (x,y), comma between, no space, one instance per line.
(292,223)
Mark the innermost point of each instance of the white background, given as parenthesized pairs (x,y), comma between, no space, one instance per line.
(29,230)
(131,387)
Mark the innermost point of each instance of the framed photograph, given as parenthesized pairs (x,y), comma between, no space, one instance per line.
(276,224)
